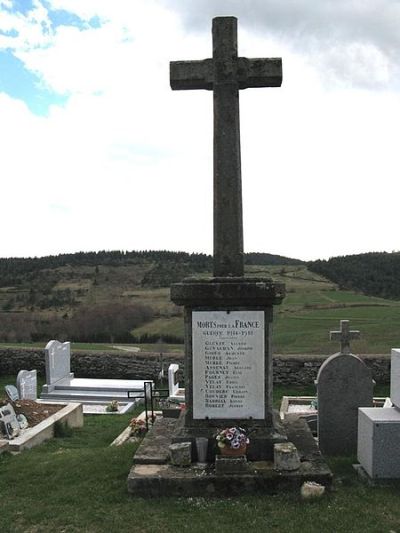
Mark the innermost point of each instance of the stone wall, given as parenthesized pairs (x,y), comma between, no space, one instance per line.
(288,369)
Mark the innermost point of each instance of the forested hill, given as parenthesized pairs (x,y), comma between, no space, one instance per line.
(375,274)
(166,264)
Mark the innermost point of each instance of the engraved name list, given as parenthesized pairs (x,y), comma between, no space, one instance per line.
(228,364)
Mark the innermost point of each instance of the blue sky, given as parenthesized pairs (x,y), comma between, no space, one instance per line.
(98,153)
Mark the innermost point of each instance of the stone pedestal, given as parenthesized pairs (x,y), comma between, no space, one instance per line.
(228,363)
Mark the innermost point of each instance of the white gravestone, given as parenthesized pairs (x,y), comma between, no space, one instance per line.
(395,377)
(173,385)
(228,364)
(27,384)
(58,362)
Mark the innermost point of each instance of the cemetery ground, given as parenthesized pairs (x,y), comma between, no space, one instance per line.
(77,482)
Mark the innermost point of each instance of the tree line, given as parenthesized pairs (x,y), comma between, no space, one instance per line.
(374,274)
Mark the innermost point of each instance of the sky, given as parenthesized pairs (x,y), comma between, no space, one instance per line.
(98,153)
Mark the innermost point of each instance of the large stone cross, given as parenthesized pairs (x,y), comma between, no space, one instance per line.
(225,74)
(345,335)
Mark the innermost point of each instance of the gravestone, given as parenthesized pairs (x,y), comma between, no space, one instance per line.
(27,384)
(58,363)
(344,384)
(228,318)
(63,387)
(175,393)
(12,392)
(8,421)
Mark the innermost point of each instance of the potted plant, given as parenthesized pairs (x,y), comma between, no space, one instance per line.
(232,441)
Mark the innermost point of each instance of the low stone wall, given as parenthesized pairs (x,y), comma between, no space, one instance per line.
(288,369)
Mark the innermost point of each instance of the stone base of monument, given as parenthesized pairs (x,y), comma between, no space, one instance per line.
(152,475)
(262,439)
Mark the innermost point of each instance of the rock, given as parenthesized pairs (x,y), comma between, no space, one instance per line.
(311,490)
(286,456)
(181,453)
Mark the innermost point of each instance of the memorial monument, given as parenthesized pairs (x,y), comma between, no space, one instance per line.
(228,317)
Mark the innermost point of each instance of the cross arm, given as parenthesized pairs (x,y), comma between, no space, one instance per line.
(259,72)
(191,74)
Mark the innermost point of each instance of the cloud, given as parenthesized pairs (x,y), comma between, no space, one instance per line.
(126,163)
(351,39)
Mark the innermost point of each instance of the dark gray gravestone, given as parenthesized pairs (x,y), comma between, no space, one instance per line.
(344,384)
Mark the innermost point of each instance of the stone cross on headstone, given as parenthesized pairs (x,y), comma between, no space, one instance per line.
(345,335)
(225,74)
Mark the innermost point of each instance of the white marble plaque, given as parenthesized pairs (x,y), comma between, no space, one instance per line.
(228,364)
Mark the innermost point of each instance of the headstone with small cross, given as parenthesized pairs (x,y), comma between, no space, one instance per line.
(344,384)
(344,335)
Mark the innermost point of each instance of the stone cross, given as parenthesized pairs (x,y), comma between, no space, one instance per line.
(225,74)
(345,335)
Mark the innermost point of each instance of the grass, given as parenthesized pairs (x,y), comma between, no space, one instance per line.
(78,484)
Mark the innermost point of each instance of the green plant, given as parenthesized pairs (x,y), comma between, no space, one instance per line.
(112,407)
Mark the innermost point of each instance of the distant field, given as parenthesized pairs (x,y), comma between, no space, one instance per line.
(313,307)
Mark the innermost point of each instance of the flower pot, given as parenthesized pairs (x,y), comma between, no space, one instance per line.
(227,451)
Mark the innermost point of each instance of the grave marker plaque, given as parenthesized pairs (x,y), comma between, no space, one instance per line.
(228,364)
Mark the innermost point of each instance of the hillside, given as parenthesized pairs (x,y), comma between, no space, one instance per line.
(374,274)
(98,296)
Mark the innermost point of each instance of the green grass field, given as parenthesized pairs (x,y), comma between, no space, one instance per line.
(78,484)
(313,307)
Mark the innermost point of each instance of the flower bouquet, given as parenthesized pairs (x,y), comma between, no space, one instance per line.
(138,427)
(232,441)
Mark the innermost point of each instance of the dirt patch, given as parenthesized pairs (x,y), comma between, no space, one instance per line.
(34,412)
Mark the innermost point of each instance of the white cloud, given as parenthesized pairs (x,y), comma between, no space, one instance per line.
(127,163)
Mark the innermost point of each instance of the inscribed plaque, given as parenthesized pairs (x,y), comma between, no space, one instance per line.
(228,364)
